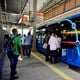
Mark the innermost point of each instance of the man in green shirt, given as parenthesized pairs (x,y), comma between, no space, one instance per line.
(14,53)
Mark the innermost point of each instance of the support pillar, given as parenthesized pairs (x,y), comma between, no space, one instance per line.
(34,24)
(22,31)
(0,16)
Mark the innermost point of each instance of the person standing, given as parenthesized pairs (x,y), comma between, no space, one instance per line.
(53,43)
(59,47)
(47,51)
(28,44)
(5,44)
(16,50)
(23,40)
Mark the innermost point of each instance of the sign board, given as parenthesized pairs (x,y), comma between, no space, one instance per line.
(63,52)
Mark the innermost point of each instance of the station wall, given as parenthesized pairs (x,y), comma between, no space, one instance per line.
(61,8)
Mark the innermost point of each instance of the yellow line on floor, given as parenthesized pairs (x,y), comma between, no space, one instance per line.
(56,70)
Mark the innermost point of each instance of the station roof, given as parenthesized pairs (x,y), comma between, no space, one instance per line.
(14,9)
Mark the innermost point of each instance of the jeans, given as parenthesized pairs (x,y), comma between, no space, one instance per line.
(53,54)
(28,50)
(13,63)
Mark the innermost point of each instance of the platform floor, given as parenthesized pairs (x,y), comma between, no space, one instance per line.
(35,68)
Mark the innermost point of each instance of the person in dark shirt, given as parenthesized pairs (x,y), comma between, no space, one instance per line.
(47,52)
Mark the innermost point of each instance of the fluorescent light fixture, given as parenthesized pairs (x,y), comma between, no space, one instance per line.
(62,24)
(4,28)
(37,30)
(43,29)
(20,20)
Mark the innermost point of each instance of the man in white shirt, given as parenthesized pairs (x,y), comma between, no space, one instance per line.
(53,43)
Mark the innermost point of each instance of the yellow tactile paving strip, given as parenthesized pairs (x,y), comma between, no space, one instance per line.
(53,68)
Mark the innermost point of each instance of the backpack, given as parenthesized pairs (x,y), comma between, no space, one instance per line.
(7,44)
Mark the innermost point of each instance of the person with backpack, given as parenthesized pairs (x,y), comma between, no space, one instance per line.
(15,50)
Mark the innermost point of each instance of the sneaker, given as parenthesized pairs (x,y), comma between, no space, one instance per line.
(15,72)
(16,77)
(13,78)
(51,62)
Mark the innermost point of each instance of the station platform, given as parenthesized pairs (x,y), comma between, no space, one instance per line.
(36,68)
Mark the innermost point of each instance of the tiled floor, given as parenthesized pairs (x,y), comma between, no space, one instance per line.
(33,69)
